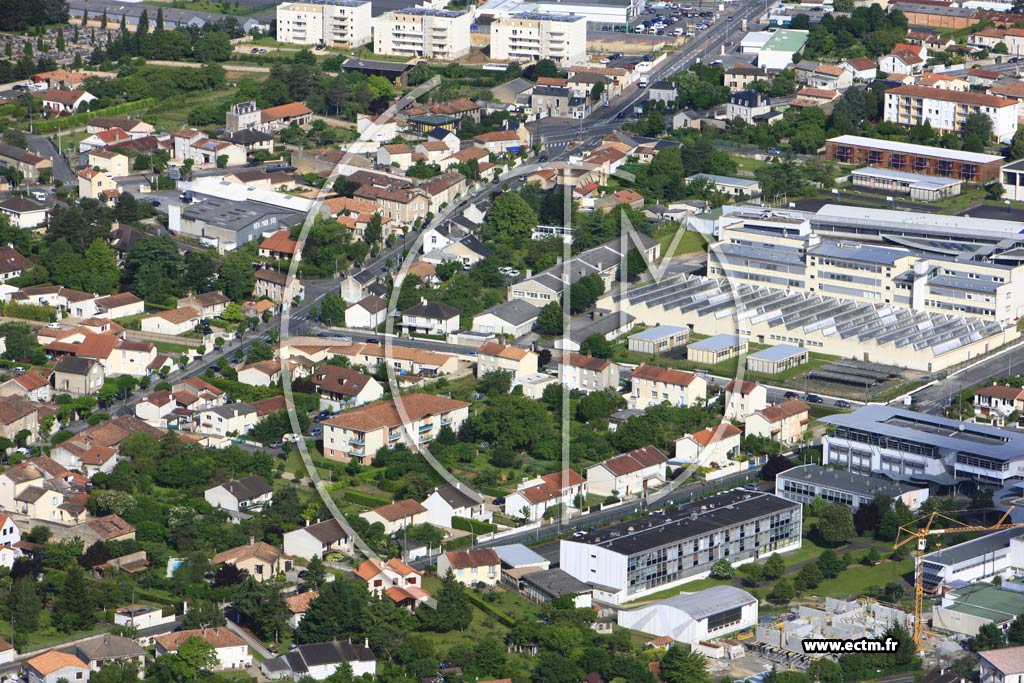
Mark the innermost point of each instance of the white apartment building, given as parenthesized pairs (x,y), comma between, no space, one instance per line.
(333,23)
(532,36)
(423,32)
(946,110)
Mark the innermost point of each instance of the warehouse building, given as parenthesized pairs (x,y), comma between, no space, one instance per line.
(805,483)
(922,448)
(965,610)
(907,157)
(776,359)
(635,558)
(694,617)
(658,339)
(919,187)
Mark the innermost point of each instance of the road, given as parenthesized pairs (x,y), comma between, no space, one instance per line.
(45,147)
(557,133)
(936,397)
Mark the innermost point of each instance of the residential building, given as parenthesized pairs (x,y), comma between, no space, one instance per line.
(319,661)
(368,313)
(231,651)
(946,110)
(264,373)
(710,447)
(534,497)
(31,385)
(511,318)
(262,561)
(344,387)
(77,376)
(54,666)
(454,500)
(631,473)
(340,23)
(109,649)
(1001,666)
(744,398)
(232,419)
(652,385)
(250,493)
(738,188)
(66,101)
(586,373)
(141,617)
(492,357)
(93,184)
(396,516)
(423,32)
(532,36)
(631,559)
(740,76)
(998,401)
(23,161)
(804,483)
(746,104)
(430,318)
(402,584)
(10,548)
(298,605)
(318,540)
(23,213)
(284,115)
(174,321)
(902,156)
(786,422)
(471,567)
(359,433)
(157,409)
(209,304)
(277,287)
(830,76)
(864,69)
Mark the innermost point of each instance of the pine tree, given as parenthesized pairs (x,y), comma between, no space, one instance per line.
(75,606)
(25,605)
(103,19)
(454,611)
(160,19)
(60,40)
(103,273)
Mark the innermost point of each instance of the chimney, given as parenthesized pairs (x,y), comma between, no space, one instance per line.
(252,540)
(366,643)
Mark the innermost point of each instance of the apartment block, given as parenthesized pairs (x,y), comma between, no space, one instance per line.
(532,36)
(946,110)
(423,32)
(973,167)
(338,23)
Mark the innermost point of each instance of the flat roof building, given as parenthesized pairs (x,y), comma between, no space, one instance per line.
(658,339)
(613,12)
(331,23)
(946,110)
(532,36)
(423,32)
(805,483)
(979,559)
(965,610)
(776,359)
(908,157)
(918,186)
(631,559)
(716,348)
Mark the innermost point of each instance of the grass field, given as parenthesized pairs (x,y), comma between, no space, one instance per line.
(691,242)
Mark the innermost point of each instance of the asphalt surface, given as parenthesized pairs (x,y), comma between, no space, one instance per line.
(935,398)
(45,147)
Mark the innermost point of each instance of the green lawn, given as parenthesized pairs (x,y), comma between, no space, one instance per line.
(856,580)
(747,164)
(48,636)
(689,243)
(513,605)
(206,6)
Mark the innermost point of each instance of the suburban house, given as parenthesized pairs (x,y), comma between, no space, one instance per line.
(281,245)
(998,400)
(492,357)
(628,474)
(23,213)
(510,318)
(743,398)
(54,666)
(298,605)
(402,584)
(454,500)
(471,567)
(264,373)
(238,495)
(175,321)
(344,387)
(270,284)
(586,373)
(261,561)
(396,516)
(358,434)
(231,651)
(209,304)
(224,420)
(319,661)
(107,649)
(533,497)
(318,540)
(77,376)
(653,385)
(430,317)
(10,538)
(66,101)
(157,409)
(786,422)
(710,447)
(368,313)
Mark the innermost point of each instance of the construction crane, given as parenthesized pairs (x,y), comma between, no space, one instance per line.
(921,529)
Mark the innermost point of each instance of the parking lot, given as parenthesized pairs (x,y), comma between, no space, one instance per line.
(674,19)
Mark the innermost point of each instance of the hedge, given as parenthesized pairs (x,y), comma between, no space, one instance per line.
(42,314)
(477,527)
(490,609)
(80,119)
(365,499)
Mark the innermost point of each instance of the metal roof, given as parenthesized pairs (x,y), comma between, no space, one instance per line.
(716,343)
(915,180)
(518,555)
(850,482)
(658,333)
(918,150)
(709,601)
(969,550)
(777,352)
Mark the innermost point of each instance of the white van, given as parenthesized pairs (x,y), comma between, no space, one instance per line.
(39,196)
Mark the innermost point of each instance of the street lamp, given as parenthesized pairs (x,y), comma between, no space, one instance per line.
(839,197)
(1007,202)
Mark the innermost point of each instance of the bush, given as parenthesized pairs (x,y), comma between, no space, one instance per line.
(475,526)
(42,314)
(61,436)
(365,499)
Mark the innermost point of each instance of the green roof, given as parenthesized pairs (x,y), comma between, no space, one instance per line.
(786,40)
(989,602)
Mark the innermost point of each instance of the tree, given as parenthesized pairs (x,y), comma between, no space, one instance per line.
(681,665)
(585,292)
(979,126)
(454,611)
(316,574)
(332,310)
(75,606)
(24,605)
(809,576)
(599,405)
(338,612)
(261,607)
(495,382)
(510,220)
(598,346)
(782,592)
(1017,145)
(212,46)
(895,517)
(989,637)
(236,275)
(549,319)
(545,68)
(722,570)
(830,564)
(103,275)
(836,524)
(374,229)
(774,567)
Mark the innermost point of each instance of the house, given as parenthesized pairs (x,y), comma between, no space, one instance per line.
(23,213)
(741,76)
(1001,666)
(120,305)
(454,500)
(318,540)
(493,357)
(231,651)
(157,408)
(430,318)
(368,313)
(358,434)
(998,401)
(511,318)
(631,473)
(830,76)
(93,184)
(25,162)
(106,649)
(225,420)
(904,59)
(276,118)
(863,69)
(298,605)
(12,264)
(503,141)
(174,321)
(31,385)
(746,104)
(77,376)
(396,516)
(109,160)
(238,495)
(141,617)
(743,398)
(276,286)
(66,101)
(710,447)
(261,561)
(10,540)
(54,666)
(319,661)
(344,387)
(402,584)
(946,82)
(398,155)
(586,373)
(280,245)
(534,497)
(471,567)
(105,529)
(653,385)
(264,373)
(209,304)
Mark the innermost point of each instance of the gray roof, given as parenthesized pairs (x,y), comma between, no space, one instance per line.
(459,496)
(304,657)
(236,215)
(716,343)
(709,601)
(108,646)
(518,555)
(855,251)
(659,332)
(903,222)
(942,432)
(555,583)
(73,365)
(916,180)
(777,352)
(230,410)
(725,180)
(247,488)
(979,547)
(849,482)
(515,312)
(432,310)
(582,327)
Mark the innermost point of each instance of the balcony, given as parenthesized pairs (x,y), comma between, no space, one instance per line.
(426,427)
(356,442)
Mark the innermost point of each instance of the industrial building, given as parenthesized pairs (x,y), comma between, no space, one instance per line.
(921,448)
(907,157)
(774,50)
(805,483)
(919,187)
(423,32)
(532,36)
(964,610)
(776,359)
(635,558)
(331,23)
(693,617)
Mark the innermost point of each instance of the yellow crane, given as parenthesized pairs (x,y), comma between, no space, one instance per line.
(921,529)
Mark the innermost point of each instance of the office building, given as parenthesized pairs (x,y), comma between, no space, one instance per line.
(979,559)
(423,32)
(805,483)
(946,110)
(922,448)
(333,23)
(531,36)
(635,558)
(973,167)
